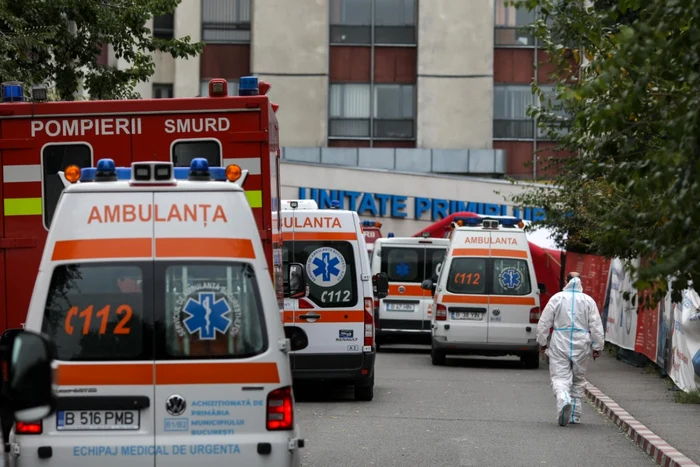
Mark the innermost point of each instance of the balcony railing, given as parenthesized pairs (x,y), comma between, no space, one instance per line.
(512,37)
(484,162)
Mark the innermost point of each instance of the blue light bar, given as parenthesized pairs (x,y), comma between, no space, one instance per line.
(512,222)
(391,235)
(88,174)
(12,91)
(469,220)
(335,204)
(248,86)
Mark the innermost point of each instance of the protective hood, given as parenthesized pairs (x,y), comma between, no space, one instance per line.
(574,285)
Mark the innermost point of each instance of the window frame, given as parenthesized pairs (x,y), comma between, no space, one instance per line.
(528,120)
(353,269)
(147,319)
(164,33)
(167,87)
(195,140)
(229,26)
(371,26)
(489,276)
(159,290)
(43,176)
(517,28)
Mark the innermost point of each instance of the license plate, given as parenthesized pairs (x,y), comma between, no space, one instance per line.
(97,420)
(470,315)
(399,307)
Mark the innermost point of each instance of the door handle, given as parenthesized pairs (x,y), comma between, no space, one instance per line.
(310,316)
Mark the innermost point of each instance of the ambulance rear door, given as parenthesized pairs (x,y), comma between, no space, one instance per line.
(98,269)
(332,316)
(214,368)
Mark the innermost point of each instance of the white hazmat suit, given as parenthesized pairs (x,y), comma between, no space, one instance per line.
(578,330)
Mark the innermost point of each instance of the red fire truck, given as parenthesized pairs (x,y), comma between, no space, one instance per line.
(38,139)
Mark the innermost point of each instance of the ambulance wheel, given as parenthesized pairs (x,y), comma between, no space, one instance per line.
(438,357)
(364,391)
(531,361)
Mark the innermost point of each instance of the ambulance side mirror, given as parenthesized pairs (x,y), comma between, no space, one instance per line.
(296,282)
(428,284)
(381,285)
(28,376)
(542,287)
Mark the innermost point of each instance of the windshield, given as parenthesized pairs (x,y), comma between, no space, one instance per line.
(107,311)
(329,268)
(496,276)
(411,264)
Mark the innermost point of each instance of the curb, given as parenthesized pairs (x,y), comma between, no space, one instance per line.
(663,453)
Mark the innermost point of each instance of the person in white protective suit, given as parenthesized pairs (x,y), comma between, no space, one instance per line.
(578,333)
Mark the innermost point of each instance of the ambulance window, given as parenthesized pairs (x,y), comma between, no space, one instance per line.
(403,264)
(433,258)
(511,277)
(211,310)
(55,158)
(95,311)
(467,276)
(329,270)
(185,151)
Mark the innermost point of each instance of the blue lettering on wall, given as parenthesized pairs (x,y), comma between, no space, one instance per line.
(382,205)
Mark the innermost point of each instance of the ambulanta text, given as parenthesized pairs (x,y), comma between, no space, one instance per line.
(492,240)
(88,127)
(312,222)
(159,213)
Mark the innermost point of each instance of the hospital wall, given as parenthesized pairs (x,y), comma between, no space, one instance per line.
(410,202)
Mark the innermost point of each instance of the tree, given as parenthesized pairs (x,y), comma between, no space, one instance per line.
(59,42)
(633,188)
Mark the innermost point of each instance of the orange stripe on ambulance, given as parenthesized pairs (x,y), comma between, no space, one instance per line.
(147,212)
(87,127)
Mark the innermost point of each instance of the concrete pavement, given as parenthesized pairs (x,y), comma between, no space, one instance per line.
(473,412)
(648,399)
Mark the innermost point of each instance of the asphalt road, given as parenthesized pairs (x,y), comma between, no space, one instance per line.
(473,412)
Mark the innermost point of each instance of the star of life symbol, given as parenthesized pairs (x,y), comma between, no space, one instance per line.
(199,312)
(510,278)
(402,269)
(325,267)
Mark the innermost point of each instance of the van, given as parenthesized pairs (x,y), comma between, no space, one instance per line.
(155,288)
(486,297)
(404,315)
(332,325)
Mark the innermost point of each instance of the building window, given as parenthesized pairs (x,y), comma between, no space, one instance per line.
(349,110)
(510,26)
(225,21)
(162,91)
(510,106)
(561,115)
(352,22)
(163,26)
(386,112)
(204,87)
(394,111)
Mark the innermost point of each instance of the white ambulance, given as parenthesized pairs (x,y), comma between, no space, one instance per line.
(333,325)
(155,289)
(486,298)
(404,315)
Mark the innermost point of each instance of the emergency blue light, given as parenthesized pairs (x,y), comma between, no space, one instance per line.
(391,235)
(106,166)
(469,220)
(335,204)
(12,91)
(512,222)
(248,86)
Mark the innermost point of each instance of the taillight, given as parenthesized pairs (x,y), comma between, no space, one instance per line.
(535,314)
(304,304)
(369,321)
(280,409)
(22,428)
(441,312)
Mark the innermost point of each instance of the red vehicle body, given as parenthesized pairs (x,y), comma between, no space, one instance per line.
(372,230)
(38,139)
(547,262)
